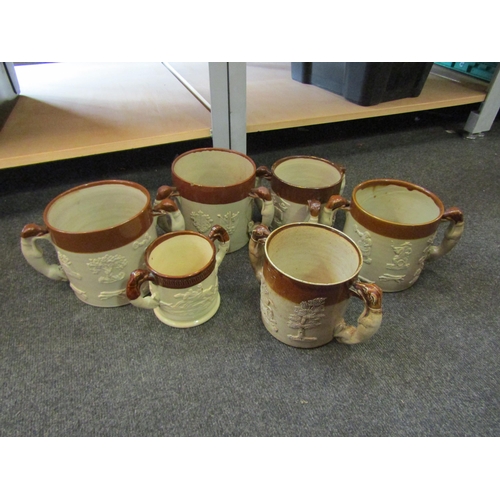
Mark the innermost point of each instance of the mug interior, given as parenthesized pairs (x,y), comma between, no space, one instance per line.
(214,168)
(398,203)
(95,208)
(307,173)
(313,254)
(181,255)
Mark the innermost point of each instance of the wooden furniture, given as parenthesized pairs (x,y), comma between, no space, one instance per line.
(68,110)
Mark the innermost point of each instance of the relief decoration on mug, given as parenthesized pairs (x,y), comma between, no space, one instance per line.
(364,243)
(267,308)
(110,266)
(202,221)
(280,207)
(399,262)
(141,243)
(116,293)
(196,297)
(228,221)
(80,293)
(306,316)
(66,265)
(423,258)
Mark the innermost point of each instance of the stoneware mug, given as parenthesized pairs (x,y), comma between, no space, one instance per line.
(100,231)
(217,186)
(181,270)
(301,188)
(394,223)
(308,272)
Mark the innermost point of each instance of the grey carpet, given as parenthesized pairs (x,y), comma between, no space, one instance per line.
(68,369)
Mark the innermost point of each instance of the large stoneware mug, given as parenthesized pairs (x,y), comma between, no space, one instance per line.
(301,188)
(395,223)
(100,231)
(181,270)
(308,272)
(217,186)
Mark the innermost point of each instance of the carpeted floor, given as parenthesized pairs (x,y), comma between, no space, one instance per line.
(69,369)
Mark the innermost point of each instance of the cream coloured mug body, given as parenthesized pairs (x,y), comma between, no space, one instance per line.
(308,272)
(215,186)
(181,270)
(395,223)
(99,231)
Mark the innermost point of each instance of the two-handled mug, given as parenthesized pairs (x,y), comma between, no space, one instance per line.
(308,272)
(99,231)
(181,271)
(394,223)
(217,186)
(301,188)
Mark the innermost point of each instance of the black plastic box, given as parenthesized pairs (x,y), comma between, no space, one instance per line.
(365,84)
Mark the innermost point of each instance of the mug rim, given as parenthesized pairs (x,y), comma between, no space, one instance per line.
(192,279)
(108,238)
(207,193)
(385,227)
(319,227)
(301,194)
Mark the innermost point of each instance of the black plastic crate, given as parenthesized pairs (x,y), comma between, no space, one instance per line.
(365,84)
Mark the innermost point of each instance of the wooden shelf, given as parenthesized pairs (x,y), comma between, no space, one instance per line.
(68,110)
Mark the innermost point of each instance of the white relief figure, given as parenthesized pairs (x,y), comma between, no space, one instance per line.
(202,221)
(116,293)
(267,307)
(66,265)
(398,278)
(401,259)
(141,243)
(280,207)
(110,266)
(195,297)
(228,221)
(364,243)
(421,261)
(306,316)
(80,293)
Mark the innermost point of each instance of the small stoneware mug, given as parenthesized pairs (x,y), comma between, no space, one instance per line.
(217,186)
(308,272)
(181,270)
(301,187)
(394,223)
(99,231)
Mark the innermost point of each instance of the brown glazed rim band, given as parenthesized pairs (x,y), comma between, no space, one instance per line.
(186,280)
(390,229)
(213,195)
(106,239)
(297,290)
(298,194)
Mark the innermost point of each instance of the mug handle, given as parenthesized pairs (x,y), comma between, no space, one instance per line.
(262,173)
(258,239)
(267,210)
(170,218)
(335,202)
(452,234)
(369,320)
(134,293)
(30,235)
(218,233)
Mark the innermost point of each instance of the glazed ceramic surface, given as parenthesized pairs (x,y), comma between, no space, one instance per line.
(308,272)
(394,223)
(100,232)
(301,188)
(181,269)
(217,186)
